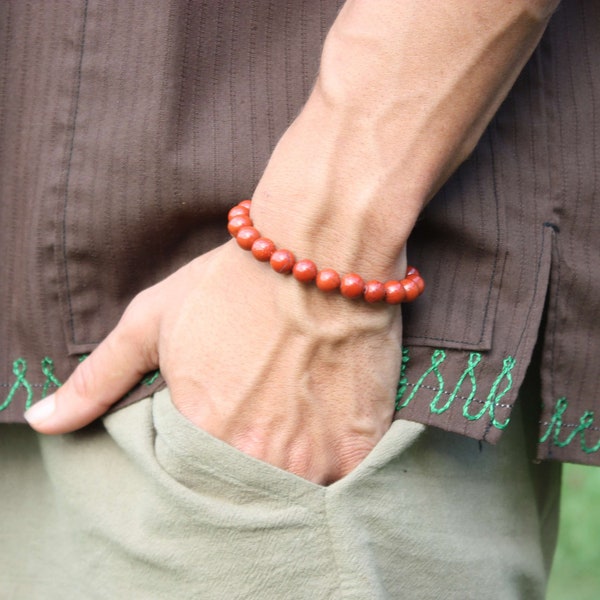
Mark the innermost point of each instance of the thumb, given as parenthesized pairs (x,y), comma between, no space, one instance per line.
(108,373)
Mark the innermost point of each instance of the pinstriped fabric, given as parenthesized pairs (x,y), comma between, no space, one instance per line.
(489,298)
(527,196)
(35,107)
(572,348)
(128,128)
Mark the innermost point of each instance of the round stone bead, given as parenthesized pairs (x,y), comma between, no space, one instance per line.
(305,270)
(419,281)
(374,291)
(352,285)
(394,292)
(237,222)
(328,280)
(238,211)
(282,261)
(246,236)
(411,289)
(263,249)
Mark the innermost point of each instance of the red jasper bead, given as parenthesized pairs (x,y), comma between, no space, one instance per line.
(411,289)
(328,280)
(419,281)
(237,211)
(237,222)
(352,285)
(282,261)
(263,249)
(305,270)
(246,236)
(374,291)
(394,292)
(240,225)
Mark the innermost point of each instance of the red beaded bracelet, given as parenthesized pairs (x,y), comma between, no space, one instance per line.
(327,280)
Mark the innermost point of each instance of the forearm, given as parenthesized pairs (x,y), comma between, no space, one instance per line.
(404,92)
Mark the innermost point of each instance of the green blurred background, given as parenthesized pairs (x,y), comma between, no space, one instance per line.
(576,571)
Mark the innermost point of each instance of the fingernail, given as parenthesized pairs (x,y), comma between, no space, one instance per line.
(40,411)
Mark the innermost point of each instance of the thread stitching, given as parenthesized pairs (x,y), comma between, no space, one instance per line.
(467,378)
(20,371)
(556,424)
(76,97)
(20,368)
(459,396)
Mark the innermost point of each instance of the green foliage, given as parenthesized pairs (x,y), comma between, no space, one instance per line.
(576,571)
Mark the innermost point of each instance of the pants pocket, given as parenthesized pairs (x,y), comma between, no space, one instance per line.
(204,463)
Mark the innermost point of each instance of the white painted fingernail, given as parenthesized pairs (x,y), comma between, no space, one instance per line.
(40,411)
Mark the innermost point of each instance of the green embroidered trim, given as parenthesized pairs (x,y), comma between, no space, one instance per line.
(438,357)
(20,367)
(20,370)
(151,378)
(403,381)
(474,359)
(556,424)
(493,398)
(48,371)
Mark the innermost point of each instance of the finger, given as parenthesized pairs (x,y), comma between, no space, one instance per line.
(116,365)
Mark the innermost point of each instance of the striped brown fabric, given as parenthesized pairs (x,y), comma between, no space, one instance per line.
(128,128)
(515,231)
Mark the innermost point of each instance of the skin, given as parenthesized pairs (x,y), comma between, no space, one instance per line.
(300,379)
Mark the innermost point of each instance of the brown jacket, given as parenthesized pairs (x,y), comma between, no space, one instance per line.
(128,128)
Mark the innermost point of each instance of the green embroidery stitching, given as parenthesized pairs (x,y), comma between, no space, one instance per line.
(492,401)
(507,366)
(556,424)
(20,367)
(151,378)
(437,358)
(403,381)
(20,371)
(474,359)
(48,371)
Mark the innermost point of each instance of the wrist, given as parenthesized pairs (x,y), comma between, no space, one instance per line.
(329,195)
(304,309)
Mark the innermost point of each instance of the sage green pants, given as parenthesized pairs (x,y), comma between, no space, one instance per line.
(144,505)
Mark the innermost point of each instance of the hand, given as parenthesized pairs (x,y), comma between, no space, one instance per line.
(281,371)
